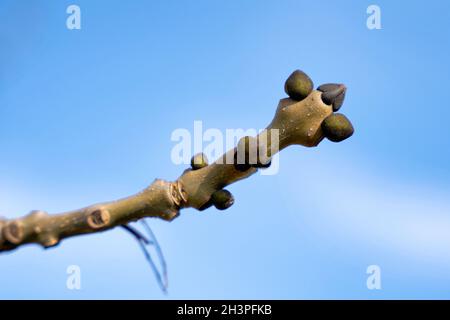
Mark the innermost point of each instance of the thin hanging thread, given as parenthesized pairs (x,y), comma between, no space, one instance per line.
(144,244)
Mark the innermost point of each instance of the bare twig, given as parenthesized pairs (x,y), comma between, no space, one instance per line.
(298,122)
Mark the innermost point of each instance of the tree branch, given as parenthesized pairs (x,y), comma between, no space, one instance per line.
(296,122)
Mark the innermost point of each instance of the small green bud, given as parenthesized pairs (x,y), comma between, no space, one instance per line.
(242,167)
(262,165)
(337,127)
(222,199)
(298,86)
(199,161)
(242,154)
(248,155)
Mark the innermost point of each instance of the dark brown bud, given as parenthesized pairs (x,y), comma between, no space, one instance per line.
(333,94)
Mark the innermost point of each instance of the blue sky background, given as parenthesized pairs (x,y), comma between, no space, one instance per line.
(86,116)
